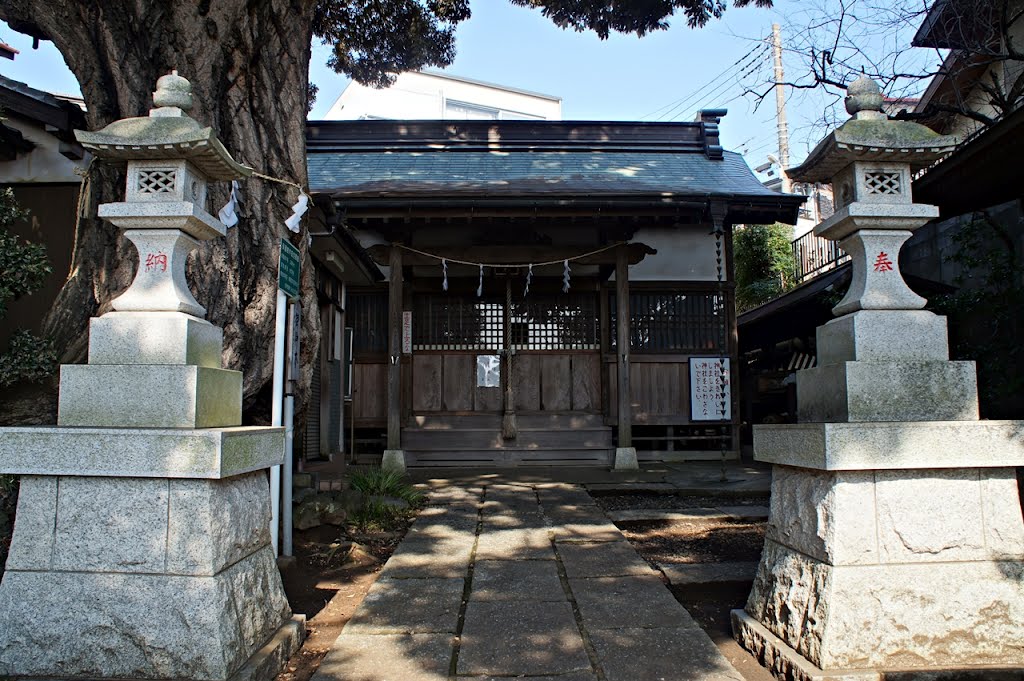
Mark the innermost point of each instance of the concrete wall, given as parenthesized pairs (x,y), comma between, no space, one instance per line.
(685,254)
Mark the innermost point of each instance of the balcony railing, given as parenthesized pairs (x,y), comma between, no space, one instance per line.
(815,255)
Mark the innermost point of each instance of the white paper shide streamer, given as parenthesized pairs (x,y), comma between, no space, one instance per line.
(480,288)
(228,214)
(529,278)
(444,268)
(565,277)
(298,210)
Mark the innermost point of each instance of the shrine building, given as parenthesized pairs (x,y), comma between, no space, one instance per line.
(479,281)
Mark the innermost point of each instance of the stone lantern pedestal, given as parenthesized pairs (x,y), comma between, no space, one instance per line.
(141,545)
(895,544)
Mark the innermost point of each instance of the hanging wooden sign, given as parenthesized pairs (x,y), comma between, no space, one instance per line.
(407,332)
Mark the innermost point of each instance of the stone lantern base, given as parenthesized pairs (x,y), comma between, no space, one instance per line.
(873,572)
(143,554)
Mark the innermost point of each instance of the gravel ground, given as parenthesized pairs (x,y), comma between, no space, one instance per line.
(643,500)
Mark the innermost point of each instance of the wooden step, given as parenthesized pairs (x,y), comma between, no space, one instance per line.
(505,458)
(490,438)
(531,421)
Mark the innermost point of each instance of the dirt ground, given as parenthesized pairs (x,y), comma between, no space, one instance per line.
(327,582)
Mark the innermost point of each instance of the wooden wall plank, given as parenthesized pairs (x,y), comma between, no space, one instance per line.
(586,383)
(526,378)
(427,382)
(556,382)
(458,382)
(487,400)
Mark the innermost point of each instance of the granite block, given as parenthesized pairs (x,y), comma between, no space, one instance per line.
(34,523)
(212,453)
(212,524)
(941,614)
(883,335)
(892,446)
(102,625)
(888,391)
(827,515)
(154,338)
(110,525)
(149,396)
(184,215)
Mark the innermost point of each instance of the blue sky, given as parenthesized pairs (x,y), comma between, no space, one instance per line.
(622,78)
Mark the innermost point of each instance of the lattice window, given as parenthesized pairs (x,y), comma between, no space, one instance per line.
(157,181)
(452,322)
(367,314)
(557,322)
(673,322)
(882,183)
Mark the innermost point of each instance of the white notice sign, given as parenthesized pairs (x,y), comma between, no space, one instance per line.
(709,388)
(407,332)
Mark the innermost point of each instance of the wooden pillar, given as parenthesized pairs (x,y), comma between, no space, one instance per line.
(394,458)
(625,454)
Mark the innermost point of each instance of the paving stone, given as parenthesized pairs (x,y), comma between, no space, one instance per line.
(668,654)
(745,512)
(420,557)
(602,559)
(510,507)
(402,657)
(515,544)
(516,580)
(445,521)
(512,521)
(618,602)
(409,606)
(521,638)
(453,495)
(710,573)
(641,515)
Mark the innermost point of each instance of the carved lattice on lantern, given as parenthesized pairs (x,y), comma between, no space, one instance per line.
(882,183)
(157,181)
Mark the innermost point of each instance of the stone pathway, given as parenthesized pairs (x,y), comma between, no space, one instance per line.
(526,580)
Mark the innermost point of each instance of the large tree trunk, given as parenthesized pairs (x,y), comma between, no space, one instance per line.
(248,62)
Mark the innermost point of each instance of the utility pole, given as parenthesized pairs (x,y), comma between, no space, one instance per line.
(780,108)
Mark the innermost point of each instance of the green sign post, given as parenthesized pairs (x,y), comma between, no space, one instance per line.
(288,269)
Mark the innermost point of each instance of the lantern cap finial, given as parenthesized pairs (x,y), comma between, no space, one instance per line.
(864,99)
(173,91)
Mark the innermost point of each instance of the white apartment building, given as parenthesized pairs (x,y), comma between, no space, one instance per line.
(424,95)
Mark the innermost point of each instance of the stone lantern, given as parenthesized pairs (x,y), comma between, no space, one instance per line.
(141,546)
(895,541)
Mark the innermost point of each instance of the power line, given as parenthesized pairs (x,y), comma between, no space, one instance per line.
(726,86)
(715,79)
(746,68)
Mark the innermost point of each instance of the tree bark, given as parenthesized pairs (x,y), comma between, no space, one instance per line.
(248,63)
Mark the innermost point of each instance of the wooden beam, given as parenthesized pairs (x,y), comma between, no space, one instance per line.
(395,351)
(622,347)
(513,255)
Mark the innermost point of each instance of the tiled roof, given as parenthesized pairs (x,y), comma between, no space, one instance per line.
(526,173)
